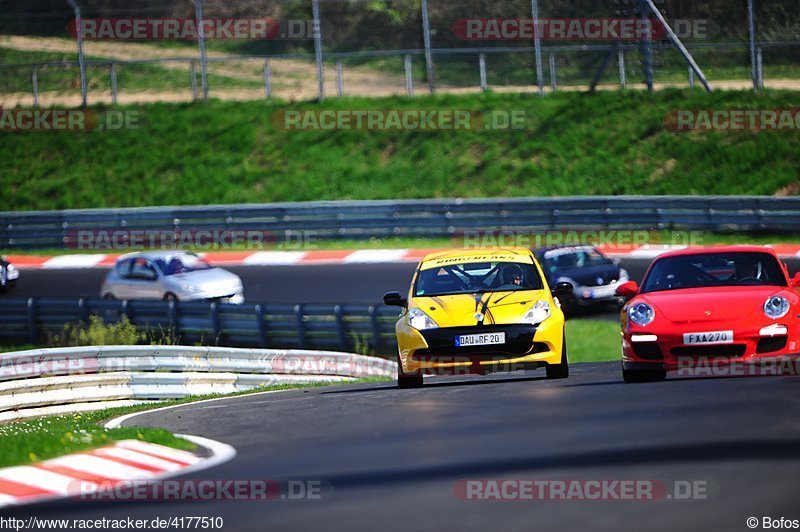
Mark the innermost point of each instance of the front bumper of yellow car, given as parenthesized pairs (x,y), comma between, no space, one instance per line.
(434,351)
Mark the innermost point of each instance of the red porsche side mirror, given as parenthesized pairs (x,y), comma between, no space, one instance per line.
(628,289)
(796,280)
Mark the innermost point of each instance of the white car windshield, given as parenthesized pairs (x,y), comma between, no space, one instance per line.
(180,264)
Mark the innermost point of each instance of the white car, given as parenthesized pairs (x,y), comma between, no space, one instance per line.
(8,275)
(171,276)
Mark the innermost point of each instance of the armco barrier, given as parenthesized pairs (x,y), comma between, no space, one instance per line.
(35,382)
(334,327)
(422,218)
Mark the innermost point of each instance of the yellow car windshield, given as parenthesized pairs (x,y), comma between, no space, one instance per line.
(477,277)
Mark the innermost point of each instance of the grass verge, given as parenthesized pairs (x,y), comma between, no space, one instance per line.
(610,142)
(25,442)
(593,340)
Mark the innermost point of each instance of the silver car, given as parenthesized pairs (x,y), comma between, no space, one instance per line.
(171,276)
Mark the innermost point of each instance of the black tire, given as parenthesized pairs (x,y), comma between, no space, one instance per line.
(169,296)
(405,381)
(643,375)
(109,296)
(559,371)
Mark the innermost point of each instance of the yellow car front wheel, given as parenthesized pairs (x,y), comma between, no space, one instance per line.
(406,380)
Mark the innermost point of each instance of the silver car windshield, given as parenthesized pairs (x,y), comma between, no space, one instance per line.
(181,264)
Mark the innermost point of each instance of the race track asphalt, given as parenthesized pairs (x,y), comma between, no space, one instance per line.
(389,459)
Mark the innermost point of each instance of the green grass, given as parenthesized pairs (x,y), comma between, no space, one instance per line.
(229,152)
(25,442)
(593,340)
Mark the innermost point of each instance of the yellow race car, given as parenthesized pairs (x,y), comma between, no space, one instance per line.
(479,311)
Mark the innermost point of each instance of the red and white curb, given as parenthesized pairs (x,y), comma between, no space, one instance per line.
(293,258)
(80,474)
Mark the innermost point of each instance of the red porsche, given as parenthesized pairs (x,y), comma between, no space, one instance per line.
(732,304)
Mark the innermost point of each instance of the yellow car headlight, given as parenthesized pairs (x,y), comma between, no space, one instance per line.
(419,320)
(539,312)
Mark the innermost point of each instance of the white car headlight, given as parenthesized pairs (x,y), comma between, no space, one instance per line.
(539,312)
(419,320)
(624,277)
(776,307)
(189,288)
(641,313)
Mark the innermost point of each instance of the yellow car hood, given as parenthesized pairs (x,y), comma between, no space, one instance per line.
(460,309)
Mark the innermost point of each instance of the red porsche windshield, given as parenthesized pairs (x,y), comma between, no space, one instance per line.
(714,269)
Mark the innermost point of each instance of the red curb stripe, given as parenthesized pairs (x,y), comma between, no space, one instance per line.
(21,491)
(156,455)
(75,473)
(131,463)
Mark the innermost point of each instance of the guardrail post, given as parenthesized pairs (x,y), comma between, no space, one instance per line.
(376,327)
(409,75)
(553,73)
(691,78)
(621,63)
(340,327)
(83,312)
(760,69)
(214,309)
(31,320)
(174,328)
(262,328)
(35,86)
(301,326)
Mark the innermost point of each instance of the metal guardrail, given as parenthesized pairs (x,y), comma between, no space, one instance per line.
(45,381)
(336,327)
(413,218)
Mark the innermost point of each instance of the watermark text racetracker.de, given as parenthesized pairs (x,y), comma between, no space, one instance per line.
(579,29)
(199,239)
(184,522)
(683,120)
(399,120)
(537,489)
(181,29)
(22,120)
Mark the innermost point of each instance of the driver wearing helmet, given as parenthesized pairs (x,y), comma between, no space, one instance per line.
(511,275)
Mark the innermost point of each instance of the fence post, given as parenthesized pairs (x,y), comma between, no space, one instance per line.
(409,75)
(760,69)
(646,44)
(340,328)
(193,79)
(301,326)
(537,46)
(426,39)
(114,83)
(267,79)
(339,79)
(126,310)
(262,328)
(31,320)
(621,63)
(553,73)
(482,70)
(201,42)
(691,78)
(318,48)
(376,326)
(751,28)
(79,38)
(35,86)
